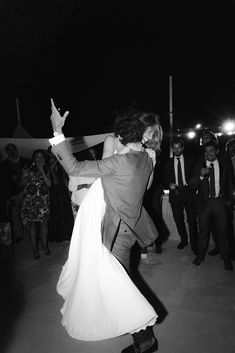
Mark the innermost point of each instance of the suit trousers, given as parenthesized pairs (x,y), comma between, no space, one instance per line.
(184,200)
(121,250)
(213,216)
(122,245)
(231,231)
(232,236)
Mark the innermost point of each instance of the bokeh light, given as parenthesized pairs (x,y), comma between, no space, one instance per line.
(191,134)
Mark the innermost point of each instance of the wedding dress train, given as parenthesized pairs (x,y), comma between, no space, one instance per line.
(100,300)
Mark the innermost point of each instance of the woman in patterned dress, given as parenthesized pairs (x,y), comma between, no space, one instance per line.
(36,204)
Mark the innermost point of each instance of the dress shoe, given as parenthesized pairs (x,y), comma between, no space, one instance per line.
(135,348)
(214,252)
(182,245)
(228,265)
(197,261)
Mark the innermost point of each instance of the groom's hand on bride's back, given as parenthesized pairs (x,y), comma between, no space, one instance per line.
(57,120)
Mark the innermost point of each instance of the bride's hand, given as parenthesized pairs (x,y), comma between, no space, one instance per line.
(152,154)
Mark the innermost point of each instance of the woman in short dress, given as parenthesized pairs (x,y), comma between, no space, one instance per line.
(35,210)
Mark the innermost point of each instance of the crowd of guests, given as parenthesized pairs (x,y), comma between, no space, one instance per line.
(39,200)
(36,201)
(202,193)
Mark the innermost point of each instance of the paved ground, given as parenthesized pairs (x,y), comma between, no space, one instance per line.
(196,304)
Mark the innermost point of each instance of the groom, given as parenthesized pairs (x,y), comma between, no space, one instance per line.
(124,179)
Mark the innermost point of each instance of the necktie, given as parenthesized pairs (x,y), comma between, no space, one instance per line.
(180,178)
(212,181)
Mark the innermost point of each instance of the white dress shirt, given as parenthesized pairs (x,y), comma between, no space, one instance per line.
(57,139)
(181,157)
(217,175)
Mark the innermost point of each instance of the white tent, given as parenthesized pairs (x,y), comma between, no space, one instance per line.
(26,144)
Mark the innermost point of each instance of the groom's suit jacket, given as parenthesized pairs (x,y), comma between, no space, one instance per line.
(124,179)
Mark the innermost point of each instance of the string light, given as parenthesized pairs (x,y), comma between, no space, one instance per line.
(191,134)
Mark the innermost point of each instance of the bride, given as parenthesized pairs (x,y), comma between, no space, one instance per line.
(99,295)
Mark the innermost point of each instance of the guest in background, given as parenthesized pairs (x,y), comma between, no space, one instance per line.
(91,154)
(6,243)
(12,197)
(178,172)
(230,148)
(6,248)
(207,136)
(213,181)
(60,224)
(36,203)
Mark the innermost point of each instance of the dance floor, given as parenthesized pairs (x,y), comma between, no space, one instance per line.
(196,304)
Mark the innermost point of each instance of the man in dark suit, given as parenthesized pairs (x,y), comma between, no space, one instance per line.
(213,182)
(124,179)
(230,149)
(206,136)
(177,176)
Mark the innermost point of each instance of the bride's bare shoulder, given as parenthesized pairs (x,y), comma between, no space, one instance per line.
(109,146)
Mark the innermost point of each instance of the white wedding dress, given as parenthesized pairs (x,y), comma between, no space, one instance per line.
(100,300)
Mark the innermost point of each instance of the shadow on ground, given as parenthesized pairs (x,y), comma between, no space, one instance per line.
(142,285)
(12,299)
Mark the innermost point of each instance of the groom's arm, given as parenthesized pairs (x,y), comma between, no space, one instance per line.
(63,153)
(73,167)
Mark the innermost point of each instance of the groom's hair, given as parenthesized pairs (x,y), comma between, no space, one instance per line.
(129,127)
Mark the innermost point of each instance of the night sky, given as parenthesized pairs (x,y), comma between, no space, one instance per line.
(96,57)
